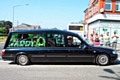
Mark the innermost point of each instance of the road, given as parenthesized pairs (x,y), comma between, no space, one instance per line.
(61,71)
(1,47)
(10,71)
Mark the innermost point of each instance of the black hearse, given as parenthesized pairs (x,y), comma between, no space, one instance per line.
(26,46)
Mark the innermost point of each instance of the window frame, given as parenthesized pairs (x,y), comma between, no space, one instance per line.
(108,2)
(55,46)
(117,4)
(82,42)
(90,12)
(10,36)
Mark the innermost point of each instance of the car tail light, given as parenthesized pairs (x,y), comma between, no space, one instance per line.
(3,52)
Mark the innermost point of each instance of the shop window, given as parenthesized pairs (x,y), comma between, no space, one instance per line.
(108,5)
(118,5)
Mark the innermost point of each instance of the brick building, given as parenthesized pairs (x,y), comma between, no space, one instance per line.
(102,16)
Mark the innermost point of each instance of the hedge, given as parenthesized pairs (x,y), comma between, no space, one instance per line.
(3,34)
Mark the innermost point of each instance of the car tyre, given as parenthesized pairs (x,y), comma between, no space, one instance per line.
(102,59)
(23,60)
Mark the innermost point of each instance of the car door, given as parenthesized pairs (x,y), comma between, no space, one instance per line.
(38,48)
(79,52)
(78,55)
(38,54)
(56,54)
(56,51)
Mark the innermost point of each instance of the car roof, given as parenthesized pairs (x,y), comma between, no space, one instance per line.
(37,31)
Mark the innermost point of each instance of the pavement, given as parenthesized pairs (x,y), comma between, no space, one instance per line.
(118,46)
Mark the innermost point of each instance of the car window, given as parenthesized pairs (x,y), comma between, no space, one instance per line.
(55,40)
(73,41)
(27,40)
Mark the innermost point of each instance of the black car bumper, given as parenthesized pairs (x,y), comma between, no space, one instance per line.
(8,58)
(114,57)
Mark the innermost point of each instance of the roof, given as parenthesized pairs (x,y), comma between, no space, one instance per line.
(37,31)
(24,27)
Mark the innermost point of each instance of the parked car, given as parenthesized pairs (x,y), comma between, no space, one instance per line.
(27,46)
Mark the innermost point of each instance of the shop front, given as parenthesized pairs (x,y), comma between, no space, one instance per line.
(104,26)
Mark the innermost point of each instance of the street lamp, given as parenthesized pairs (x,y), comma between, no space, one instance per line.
(17,6)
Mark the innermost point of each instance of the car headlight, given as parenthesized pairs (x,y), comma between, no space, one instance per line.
(114,52)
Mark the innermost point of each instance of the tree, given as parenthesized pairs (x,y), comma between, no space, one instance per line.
(81,22)
(5,24)
(55,28)
(8,23)
(2,23)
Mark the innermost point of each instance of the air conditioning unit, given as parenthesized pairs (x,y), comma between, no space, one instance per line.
(101,10)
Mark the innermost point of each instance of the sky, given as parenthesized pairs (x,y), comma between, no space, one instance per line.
(46,13)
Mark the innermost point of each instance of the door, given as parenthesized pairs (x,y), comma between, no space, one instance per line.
(78,52)
(78,55)
(56,54)
(56,51)
(38,47)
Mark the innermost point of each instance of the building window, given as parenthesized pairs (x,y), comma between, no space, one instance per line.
(118,5)
(90,12)
(108,5)
(96,8)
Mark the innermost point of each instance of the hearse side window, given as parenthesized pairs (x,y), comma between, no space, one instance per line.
(27,40)
(55,40)
(73,41)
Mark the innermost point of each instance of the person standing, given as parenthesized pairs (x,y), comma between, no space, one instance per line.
(96,41)
(107,39)
(114,40)
(101,40)
(91,40)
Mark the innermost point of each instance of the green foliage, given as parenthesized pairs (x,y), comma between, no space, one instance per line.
(5,26)
(2,29)
(3,34)
(54,28)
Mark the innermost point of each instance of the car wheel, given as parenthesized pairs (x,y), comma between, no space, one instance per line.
(23,60)
(102,59)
